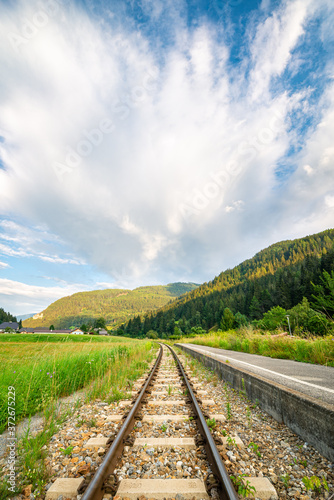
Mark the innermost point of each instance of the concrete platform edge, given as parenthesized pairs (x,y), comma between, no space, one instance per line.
(307,417)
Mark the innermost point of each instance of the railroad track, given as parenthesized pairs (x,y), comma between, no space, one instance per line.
(166,399)
(158,446)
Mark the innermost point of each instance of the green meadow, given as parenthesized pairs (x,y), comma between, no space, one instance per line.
(43,368)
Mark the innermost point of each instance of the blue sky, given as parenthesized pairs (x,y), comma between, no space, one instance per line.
(146,142)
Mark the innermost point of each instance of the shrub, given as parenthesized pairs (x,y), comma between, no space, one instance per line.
(152,334)
(304,319)
(273,319)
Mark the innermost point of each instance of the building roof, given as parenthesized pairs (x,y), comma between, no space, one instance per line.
(39,328)
(9,324)
(103,332)
(43,330)
(60,331)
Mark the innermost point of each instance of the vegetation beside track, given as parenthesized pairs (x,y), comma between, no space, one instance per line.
(106,369)
(311,350)
(45,371)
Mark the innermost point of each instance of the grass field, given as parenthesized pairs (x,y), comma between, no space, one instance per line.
(43,367)
(317,350)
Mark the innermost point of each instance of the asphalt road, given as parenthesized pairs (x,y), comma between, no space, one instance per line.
(312,380)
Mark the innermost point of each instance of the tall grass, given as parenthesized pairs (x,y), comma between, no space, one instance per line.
(106,371)
(46,376)
(317,350)
(63,338)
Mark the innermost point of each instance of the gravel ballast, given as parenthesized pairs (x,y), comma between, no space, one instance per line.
(252,442)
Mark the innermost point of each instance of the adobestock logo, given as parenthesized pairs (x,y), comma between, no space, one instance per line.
(91,139)
(222,179)
(30,27)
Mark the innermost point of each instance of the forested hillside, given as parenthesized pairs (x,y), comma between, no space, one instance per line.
(6,316)
(115,306)
(280,275)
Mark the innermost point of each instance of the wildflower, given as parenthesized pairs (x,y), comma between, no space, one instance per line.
(48,373)
(14,371)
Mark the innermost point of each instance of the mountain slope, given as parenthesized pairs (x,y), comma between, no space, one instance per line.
(114,305)
(279,275)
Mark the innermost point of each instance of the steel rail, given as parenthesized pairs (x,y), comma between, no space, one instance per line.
(226,490)
(94,490)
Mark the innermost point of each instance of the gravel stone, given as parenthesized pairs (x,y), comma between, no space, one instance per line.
(270,449)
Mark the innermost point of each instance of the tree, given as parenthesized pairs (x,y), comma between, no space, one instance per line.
(136,326)
(240,320)
(177,331)
(20,324)
(100,323)
(198,318)
(6,316)
(51,328)
(227,321)
(83,327)
(255,309)
(265,300)
(324,294)
(170,327)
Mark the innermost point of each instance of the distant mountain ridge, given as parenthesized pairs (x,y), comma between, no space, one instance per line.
(281,274)
(115,305)
(24,316)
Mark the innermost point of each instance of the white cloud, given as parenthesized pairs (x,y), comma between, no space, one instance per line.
(329,200)
(4,265)
(58,260)
(17,293)
(308,169)
(236,205)
(7,250)
(9,287)
(133,158)
(105,284)
(274,42)
(32,242)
